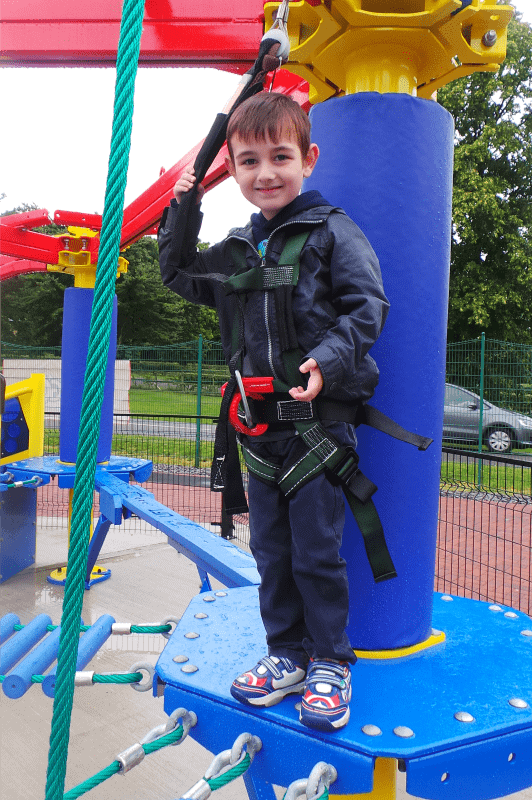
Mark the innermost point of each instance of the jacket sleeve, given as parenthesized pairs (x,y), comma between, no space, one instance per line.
(359,308)
(186,278)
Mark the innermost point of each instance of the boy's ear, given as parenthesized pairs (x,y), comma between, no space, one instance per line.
(230,167)
(309,162)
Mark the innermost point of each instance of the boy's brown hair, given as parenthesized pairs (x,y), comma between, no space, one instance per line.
(269,115)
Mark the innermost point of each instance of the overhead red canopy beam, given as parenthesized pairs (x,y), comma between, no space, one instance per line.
(177,33)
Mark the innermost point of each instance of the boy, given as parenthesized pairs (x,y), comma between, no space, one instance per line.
(335,310)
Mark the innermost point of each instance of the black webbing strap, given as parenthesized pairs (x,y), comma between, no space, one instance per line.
(370,526)
(368,415)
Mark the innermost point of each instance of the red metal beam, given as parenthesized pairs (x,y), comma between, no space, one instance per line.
(11,267)
(175,33)
(140,217)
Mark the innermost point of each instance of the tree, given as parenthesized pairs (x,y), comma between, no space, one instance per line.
(148,314)
(32,305)
(491,255)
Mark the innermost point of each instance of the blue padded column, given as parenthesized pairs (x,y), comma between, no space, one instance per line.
(75,341)
(387,159)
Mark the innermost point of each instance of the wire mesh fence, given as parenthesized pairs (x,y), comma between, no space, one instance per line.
(488,395)
(485,523)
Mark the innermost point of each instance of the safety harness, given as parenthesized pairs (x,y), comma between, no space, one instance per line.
(267,403)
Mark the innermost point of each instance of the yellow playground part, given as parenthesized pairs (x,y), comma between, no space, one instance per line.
(407,46)
(30,396)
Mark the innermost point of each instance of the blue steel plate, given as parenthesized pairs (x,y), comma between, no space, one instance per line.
(48,466)
(485,661)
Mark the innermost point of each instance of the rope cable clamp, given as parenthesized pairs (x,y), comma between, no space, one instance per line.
(313,787)
(245,745)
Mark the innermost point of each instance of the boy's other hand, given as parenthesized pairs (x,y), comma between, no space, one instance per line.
(315,382)
(185,183)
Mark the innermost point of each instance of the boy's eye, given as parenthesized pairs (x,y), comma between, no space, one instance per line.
(281,157)
(248,162)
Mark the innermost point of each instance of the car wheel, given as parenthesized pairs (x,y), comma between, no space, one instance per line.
(499,440)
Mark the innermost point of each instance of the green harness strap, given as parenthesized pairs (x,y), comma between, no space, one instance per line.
(321,451)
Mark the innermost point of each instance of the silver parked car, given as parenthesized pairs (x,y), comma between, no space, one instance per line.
(501,429)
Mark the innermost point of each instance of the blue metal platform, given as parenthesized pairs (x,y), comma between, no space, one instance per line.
(46,467)
(459,713)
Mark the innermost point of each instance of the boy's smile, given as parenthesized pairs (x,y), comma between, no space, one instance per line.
(270,174)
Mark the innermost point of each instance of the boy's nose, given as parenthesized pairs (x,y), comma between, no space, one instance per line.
(266,173)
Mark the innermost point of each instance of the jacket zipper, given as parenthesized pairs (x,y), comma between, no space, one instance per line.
(266,295)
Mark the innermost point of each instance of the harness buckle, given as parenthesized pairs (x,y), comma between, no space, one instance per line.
(254,389)
(347,468)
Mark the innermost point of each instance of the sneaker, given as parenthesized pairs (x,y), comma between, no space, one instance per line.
(325,704)
(269,681)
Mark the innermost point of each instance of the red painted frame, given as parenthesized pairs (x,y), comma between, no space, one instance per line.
(37,34)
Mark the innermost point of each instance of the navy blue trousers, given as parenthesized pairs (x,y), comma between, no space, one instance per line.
(304,590)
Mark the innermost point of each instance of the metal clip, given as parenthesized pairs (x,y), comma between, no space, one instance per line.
(243,399)
(168,620)
(228,759)
(222,763)
(281,17)
(145,667)
(313,787)
(188,720)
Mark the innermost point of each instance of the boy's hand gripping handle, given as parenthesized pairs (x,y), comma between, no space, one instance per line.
(254,388)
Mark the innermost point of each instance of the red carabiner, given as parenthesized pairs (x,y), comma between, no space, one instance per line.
(255,388)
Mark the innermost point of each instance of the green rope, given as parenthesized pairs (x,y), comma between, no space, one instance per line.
(130,677)
(230,775)
(125,677)
(91,783)
(134,628)
(151,628)
(168,739)
(126,69)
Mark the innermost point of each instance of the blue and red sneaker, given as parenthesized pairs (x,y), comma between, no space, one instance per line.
(325,704)
(270,680)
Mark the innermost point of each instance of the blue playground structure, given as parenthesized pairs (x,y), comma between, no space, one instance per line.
(443,686)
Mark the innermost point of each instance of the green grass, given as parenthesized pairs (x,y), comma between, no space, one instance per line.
(151,401)
(163,450)
(159,449)
(496,478)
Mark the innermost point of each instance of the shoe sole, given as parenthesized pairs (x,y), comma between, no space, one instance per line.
(319,723)
(272,698)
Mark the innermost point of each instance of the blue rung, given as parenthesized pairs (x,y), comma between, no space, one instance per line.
(89,644)
(18,682)
(7,626)
(22,642)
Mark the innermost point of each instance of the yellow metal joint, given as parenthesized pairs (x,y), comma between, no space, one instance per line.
(76,258)
(409,46)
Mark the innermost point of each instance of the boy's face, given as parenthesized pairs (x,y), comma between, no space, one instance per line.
(269,173)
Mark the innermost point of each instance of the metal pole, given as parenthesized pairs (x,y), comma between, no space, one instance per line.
(384,783)
(481,416)
(198,402)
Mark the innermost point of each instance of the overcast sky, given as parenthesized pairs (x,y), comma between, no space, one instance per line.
(56,130)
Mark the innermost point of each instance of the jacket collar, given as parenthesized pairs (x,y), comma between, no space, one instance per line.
(312,215)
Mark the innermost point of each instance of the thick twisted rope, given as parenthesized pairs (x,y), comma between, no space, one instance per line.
(126,70)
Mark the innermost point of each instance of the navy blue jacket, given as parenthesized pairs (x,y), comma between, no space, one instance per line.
(339,305)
